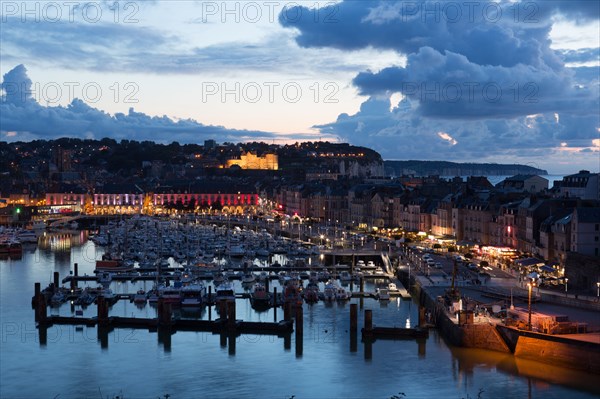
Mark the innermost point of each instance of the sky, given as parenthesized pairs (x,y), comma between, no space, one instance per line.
(464,81)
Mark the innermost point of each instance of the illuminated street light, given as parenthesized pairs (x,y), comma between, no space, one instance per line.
(530,286)
(566,285)
(598,292)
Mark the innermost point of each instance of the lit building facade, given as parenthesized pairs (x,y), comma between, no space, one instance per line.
(250,160)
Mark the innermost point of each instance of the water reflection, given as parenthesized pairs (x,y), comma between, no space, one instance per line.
(328,360)
(540,375)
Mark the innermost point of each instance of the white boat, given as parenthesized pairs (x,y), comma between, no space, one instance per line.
(262,252)
(140,297)
(192,295)
(260,298)
(341,294)
(248,278)
(392,287)
(105,278)
(170,295)
(225,291)
(236,251)
(382,294)
(263,276)
(27,236)
(345,277)
(58,298)
(219,278)
(311,292)
(329,291)
(153,295)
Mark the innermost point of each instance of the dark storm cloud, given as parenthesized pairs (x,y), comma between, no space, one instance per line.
(401,133)
(485,32)
(475,82)
(22,118)
(448,85)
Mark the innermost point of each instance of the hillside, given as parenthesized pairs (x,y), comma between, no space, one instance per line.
(444,168)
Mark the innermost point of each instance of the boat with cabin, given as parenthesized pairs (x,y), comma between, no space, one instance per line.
(260,298)
(193,295)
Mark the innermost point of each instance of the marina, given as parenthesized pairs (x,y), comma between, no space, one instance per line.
(128,320)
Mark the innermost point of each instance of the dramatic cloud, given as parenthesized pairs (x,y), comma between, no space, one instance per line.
(22,118)
(480,80)
(487,33)
(401,133)
(448,85)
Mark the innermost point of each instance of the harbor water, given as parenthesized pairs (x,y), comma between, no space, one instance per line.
(73,363)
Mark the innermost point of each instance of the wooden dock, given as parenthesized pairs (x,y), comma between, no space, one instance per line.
(371,332)
(215,326)
(395,333)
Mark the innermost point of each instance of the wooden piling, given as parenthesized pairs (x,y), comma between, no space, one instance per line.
(37,289)
(287,342)
(41,310)
(232,338)
(76,270)
(368,320)
(299,331)
(209,303)
(422,319)
(56,281)
(353,327)
(164,313)
(103,310)
(422,345)
(43,335)
(102,335)
(287,314)
(164,337)
(353,318)
(223,309)
(231,314)
(368,345)
(275,298)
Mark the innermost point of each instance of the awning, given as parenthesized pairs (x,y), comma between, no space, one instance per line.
(547,268)
(529,262)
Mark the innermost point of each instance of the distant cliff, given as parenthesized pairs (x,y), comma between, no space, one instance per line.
(443,168)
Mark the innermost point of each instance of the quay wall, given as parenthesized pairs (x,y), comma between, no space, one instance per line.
(556,350)
(551,349)
(480,335)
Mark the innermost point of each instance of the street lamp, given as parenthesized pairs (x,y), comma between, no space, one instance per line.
(566,285)
(598,292)
(530,286)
